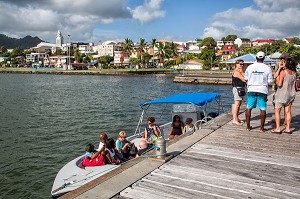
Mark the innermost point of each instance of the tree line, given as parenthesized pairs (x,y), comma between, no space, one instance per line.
(167,52)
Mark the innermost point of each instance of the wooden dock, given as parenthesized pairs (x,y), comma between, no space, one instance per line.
(221,160)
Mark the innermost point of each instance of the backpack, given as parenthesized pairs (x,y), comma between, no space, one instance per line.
(131,149)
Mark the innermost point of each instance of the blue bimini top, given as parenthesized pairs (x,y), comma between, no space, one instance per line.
(198,99)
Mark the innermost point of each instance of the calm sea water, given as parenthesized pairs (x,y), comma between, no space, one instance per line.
(46,120)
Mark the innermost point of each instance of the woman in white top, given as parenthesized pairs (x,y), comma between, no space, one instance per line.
(110,147)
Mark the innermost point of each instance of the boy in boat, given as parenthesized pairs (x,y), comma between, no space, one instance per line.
(124,147)
(103,139)
(93,157)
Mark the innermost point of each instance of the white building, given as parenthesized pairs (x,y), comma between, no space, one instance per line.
(106,48)
(44,47)
(36,57)
(220,44)
(243,42)
(85,48)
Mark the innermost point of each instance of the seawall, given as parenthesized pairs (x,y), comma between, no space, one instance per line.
(204,79)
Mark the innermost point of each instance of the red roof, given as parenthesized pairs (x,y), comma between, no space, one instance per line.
(229,48)
(289,39)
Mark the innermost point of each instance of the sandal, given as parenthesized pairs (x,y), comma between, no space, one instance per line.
(285,131)
(274,131)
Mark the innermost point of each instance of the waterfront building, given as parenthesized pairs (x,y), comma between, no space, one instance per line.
(287,40)
(84,48)
(106,48)
(227,52)
(260,42)
(181,48)
(44,47)
(242,42)
(120,56)
(189,44)
(37,58)
(2,59)
(220,44)
(60,61)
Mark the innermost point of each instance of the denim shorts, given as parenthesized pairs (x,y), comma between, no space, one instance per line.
(259,99)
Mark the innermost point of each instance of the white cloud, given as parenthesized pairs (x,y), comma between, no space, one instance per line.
(44,18)
(149,11)
(271,19)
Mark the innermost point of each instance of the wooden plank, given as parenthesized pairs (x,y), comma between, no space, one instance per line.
(202,174)
(193,188)
(265,172)
(231,182)
(146,193)
(254,147)
(245,155)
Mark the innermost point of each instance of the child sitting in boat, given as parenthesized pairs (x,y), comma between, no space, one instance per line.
(151,131)
(93,157)
(112,152)
(189,127)
(125,147)
(102,138)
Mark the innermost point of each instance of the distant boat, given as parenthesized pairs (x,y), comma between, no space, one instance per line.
(193,105)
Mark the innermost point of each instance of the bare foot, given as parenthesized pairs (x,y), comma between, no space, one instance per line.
(262,130)
(238,123)
(249,129)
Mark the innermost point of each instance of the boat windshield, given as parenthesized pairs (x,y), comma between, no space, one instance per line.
(178,108)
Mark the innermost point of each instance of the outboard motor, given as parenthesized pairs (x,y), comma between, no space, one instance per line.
(160,143)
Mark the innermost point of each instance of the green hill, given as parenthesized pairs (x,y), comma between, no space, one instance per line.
(22,43)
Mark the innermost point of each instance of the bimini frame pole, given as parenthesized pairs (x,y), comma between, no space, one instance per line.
(140,122)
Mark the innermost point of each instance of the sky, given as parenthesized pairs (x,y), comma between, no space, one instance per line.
(177,20)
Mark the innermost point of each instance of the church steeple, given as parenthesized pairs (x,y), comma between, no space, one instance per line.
(59,38)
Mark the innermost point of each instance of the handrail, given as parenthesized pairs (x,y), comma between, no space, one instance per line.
(140,122)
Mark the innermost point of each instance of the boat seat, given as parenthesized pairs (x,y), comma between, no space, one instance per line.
(79,163)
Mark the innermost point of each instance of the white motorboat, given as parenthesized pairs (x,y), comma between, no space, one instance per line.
(193,105)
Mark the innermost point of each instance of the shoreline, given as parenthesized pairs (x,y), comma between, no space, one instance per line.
(186,76)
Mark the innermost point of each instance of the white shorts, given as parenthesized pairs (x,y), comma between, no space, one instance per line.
(236,96)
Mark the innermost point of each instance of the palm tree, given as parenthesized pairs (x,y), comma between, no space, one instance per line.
(141,49)
(128,46)
(77,55)
(160,52)
(173,49)
(153,45)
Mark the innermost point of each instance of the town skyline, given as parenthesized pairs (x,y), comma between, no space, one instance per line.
(175,20)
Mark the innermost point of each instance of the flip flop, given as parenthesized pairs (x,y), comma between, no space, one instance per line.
(276,132)
(285,131)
